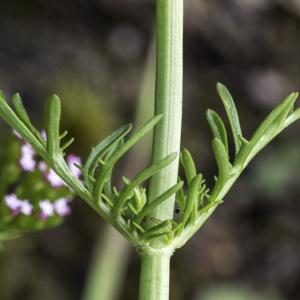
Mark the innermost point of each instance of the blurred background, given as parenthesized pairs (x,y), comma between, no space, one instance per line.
(93,53)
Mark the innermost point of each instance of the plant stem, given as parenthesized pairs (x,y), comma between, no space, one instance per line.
(155,269)
(155,277)
(168,98)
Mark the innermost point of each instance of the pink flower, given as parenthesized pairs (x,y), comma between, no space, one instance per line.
(26,208)
(47,209)
(42,166)
(61,207)
(27,149)
(72,160)
(54,179)
(27,161)
(13,203)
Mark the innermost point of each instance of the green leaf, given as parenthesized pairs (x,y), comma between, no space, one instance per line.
(13,120)
(67,144)
(180,199)
(150,206)
(188,165)
(275,119)
(292,117)
(164,228)
(222,159)
(232,115)
(102,148)
(217,127)
(273,124)
(139,178)
(110,163)
(192,199)
(52,126)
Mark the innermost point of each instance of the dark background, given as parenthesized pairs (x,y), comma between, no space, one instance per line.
(92,53)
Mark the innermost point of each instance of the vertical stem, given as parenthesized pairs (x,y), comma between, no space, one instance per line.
(168,98)
(155,269)
(155,277)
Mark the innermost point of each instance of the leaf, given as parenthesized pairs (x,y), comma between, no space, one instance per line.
(276,118)
(192,198)
(103,147)
(217,127)
(273,124)
(222,159)
(292,117)
(107,169)
(52,126)
(188,165)
(232,114)
(180,199)
(139,178)
(163,228)
(150,206)
(67,144)
(12,119)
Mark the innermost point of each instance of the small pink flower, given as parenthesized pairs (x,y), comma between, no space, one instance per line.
(54,179)
(42,166)
(26,149)
(13,203)
(47,209)
(72,160)
(27,161)
(61,207)
(26,208)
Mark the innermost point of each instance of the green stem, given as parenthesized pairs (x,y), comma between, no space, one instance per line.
(154,280)
(155,277)
(168,98)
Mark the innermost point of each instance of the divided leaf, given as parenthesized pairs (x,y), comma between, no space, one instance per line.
(232,115)
(52,126)
(150,206)
(273,124)
(217,127)
(140,178)
(108,167)
(188,165)
(101,149)
(222,159)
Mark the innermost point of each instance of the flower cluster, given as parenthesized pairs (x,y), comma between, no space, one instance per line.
(18,206)
(33,204)
(45,208)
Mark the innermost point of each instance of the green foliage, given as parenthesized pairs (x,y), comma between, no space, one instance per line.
(128,208)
